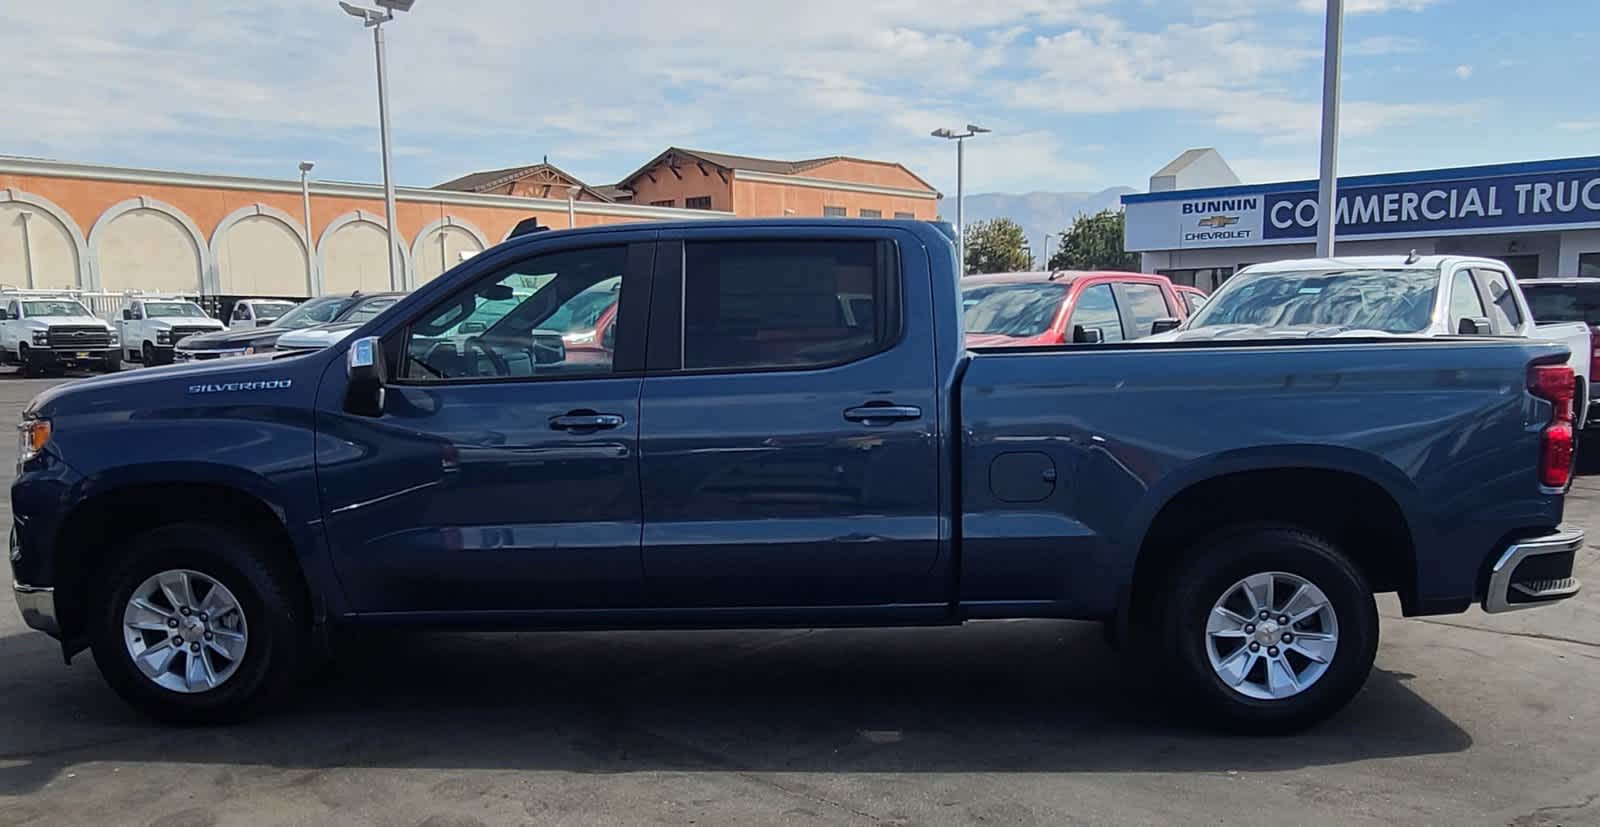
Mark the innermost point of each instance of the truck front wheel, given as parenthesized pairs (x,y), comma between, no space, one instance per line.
(196,624)
(1269,629)
(111,362)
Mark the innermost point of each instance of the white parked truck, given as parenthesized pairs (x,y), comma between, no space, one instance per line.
(151,326)
(43,332)
(258,312)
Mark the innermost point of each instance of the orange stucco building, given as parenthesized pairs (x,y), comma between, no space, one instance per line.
(68,225)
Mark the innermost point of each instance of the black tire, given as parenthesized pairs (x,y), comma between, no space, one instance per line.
(111,363)
(268,593)
(30,368)
(148,354)
(1209,570)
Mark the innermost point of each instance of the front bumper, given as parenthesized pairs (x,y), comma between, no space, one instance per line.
(1534,572)
(45,357)
(38,606)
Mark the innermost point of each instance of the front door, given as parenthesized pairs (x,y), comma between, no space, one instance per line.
(789,425)
(503,472)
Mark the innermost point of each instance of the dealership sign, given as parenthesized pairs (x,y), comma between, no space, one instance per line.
(1403,205)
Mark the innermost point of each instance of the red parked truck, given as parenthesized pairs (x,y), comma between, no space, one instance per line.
(1067,306)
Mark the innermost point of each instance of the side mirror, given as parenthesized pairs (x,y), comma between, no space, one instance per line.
(548,348)
(4,316)
(127,314)
(363,395)
(496,292)
(1469,326)
(1164,325)
(1086,335)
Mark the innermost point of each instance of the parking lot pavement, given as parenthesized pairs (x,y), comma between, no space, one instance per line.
(1467,720)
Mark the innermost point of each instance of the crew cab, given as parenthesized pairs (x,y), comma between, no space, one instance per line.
(1384,296)
(739,451)
(151,326)
(258,312)
(1065,306)
(44,332)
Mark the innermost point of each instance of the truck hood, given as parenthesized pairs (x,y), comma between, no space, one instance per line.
(318,337)
(66,321)
(234,338)
(1237,332)
(184,385)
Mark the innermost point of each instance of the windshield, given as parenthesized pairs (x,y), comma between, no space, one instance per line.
(54,307)
(1563,302)
(370,309)
(161,310)
(271,310)
(1391,301)
(313,312)
(1012,309)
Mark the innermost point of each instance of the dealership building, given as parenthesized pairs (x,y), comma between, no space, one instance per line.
(1199,225)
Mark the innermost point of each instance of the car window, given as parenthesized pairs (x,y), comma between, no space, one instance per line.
(1145,303)
(160,310)
(1464,300)
(781,304)
(11,310)
(1392,301)
(241,313)
(1193,301)
(370,308)
(1504,314)
(518,322)
(272,310)
(58,307)
(1569,302)
(1019,310)
(1096,309)
(313,312)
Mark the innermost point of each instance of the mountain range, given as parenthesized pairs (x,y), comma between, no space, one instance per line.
(1039,213)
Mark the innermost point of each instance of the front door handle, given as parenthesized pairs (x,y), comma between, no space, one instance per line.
(882,414)
(585,421)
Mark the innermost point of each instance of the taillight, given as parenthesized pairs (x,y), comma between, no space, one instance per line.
(1555,384)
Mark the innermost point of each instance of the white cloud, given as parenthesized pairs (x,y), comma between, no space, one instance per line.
(1381,45)
(1579,126)
(1464,71)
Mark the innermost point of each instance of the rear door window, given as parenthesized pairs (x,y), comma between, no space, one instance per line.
(1096,309)
(1570,302)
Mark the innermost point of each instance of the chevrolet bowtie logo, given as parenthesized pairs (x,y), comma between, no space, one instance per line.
(1219,221)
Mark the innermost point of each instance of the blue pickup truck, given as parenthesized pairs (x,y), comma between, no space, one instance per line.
(777,424)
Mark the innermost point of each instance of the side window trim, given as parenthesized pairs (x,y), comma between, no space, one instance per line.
(637,267)
(665,352)
(1453,319)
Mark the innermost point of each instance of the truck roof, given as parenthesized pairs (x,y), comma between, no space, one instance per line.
(1432,262)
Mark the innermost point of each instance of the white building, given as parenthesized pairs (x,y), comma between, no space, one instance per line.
(1198,224)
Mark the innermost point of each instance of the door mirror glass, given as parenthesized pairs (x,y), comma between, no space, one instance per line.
(4,316)
(1473,327)
(127,315)
(1164,325)
(364,366)
(1087,335)
(548,348)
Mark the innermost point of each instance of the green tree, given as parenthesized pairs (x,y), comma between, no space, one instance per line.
(997,246)
(1094,242)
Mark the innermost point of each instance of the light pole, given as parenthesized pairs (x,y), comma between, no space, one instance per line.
(1047,237)
(961,229)
(572,207)
(305,212)
(374,20)
(1327,186)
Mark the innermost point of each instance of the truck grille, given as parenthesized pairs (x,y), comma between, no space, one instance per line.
(79,338)
(178,333)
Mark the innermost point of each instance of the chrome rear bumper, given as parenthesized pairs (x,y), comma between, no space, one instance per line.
(1546,579)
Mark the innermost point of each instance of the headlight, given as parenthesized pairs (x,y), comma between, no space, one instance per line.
(249,349)
(41,337)
(163,337)
(114,337)
(32,436)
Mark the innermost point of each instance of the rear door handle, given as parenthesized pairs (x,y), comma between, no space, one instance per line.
(584,421)
(882,414)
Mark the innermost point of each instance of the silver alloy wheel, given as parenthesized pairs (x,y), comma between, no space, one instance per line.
(1271,635)
(185,631)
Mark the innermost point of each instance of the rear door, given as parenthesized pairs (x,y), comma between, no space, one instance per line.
(1142,304)
(1506,316)
(1095,308)
(789,422)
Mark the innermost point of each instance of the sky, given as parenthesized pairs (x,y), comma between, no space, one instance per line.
(1081,94)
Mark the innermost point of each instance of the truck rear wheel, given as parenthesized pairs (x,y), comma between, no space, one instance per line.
(196,624)
(1268,629)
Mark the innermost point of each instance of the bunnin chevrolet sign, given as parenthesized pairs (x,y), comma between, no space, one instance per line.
(1540,195)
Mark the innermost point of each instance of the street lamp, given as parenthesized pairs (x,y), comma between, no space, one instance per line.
(305,212)
(374,20)
(961,230)
(1328,181)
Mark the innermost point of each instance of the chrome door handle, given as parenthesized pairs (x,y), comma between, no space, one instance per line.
(585,422)
(882,414)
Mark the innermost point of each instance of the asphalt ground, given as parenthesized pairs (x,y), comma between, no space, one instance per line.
(1470,719)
